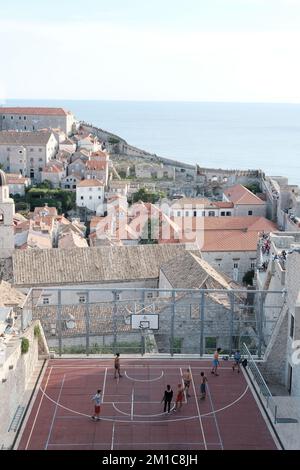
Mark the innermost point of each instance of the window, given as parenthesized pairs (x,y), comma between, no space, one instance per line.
(40,169)
(31,173)
(252,265)
(195,213)
(82,299)
(203,213)
(211,213)
(178,213)
(40,150)
(90,189)
(25,128)
(3,117)
(236,265)
(1,218)
(31,150)
(222,214)
(74,186)
(20,152)
(24,118)
(32,160)
(149,295)
(228,213)
(40,159)
(8,149)
(46,301)
(250,212)
(20,117)
(11,117)
(90,198)
(81,197)
(118,297)
(292,327)
(99,197)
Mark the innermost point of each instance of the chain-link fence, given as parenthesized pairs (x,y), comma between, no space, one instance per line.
(98,321)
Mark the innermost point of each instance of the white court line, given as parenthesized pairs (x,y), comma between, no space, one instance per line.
(214,414)
(112,437)
(132,366)
(104,384)
(145,380)
(182,381)
(147,421)
(54,414)
(138,444)
(141,416)
(199,415)
(132,401)
(37,412)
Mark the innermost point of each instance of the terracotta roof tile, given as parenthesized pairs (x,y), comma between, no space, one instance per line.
(241,195)
(34,111)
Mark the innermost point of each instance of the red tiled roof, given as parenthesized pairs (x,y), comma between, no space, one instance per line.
(251,223)
(34,111)
(241,195)
(224,205)
(96,165)
(90,182)
(230,240)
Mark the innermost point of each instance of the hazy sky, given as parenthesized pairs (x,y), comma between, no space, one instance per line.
(191,50)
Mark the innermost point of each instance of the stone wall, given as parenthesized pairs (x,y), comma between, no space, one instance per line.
(15,375)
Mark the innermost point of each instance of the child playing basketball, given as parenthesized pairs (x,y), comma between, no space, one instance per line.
(203,386)
(179,397)
(97,399)
(117,366)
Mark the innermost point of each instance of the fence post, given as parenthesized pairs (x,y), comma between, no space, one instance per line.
(172,323)
(260,323)
(87,323)
(59,307)
(202,319)
(231,321)
(115,309)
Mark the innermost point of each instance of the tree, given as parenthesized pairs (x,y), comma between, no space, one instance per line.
(248,278)
(148,196)
(253,187)
(149,230)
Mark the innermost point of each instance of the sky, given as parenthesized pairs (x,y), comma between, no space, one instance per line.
(158,50)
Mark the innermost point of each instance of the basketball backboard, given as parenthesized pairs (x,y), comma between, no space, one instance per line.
(144,321)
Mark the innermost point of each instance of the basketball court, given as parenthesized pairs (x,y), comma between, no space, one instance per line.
(132,416)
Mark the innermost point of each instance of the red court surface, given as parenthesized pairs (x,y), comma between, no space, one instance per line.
(132,415)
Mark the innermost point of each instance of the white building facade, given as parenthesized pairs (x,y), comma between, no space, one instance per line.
(90,194)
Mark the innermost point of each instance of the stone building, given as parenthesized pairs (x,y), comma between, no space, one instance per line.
(7,211)
(34,119)
(90,194)
(245,202)
(27,153)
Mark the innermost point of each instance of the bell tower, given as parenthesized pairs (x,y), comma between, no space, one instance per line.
(7,211)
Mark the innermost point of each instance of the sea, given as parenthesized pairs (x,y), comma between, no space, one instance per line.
(215,135)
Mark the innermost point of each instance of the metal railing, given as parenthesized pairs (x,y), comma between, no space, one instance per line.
(259,383)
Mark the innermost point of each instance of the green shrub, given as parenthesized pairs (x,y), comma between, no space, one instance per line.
(24,345)
(37,331)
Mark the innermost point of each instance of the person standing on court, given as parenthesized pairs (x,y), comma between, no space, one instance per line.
(203,385)
(216,361)
(179,397)
(117,365)
(97,399)
(187,377)
(236,361)
(167,398)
